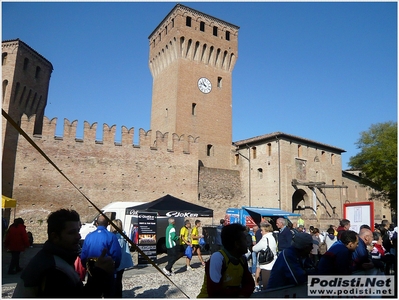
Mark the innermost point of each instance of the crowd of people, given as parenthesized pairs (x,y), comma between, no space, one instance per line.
(245,260)
(337,251)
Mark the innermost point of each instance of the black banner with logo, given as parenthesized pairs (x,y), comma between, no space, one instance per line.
(147,223)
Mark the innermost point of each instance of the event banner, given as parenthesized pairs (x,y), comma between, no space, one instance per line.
(147,223)
(357,286)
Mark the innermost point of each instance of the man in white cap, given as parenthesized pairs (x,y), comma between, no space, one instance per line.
(293,265)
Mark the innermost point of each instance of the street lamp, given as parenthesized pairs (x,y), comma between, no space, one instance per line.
(249,173)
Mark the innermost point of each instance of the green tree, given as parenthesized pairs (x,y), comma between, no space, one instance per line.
(378,160)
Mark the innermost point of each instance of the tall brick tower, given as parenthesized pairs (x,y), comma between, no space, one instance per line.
(25,79)
(192,56)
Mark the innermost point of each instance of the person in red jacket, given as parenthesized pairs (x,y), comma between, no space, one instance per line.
(16,242)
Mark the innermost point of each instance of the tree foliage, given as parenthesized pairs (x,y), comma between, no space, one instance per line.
(378,159)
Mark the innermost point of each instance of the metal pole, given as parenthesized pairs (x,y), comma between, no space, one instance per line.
(279,175)
(249,173)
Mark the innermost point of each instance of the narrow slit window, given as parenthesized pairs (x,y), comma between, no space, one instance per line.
(269,149)
(332,159)
(299,151)
(260,173)
(236,159)
(254,152)
(194,109)
(26,62)
(209,150)
(37,72)
(227,35)
(219,82)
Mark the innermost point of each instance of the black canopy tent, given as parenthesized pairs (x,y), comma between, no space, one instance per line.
(170,206)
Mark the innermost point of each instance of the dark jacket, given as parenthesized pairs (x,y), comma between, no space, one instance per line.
(51,274)
(336,261)
(289,269)
(284,239)
(360,256)
(249,242)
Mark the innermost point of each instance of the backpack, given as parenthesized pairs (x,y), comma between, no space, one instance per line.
(322,248)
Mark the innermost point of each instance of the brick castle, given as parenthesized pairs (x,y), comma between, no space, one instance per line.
(188,152)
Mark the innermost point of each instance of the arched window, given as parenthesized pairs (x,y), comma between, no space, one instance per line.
(236,159)
(219,82)
(209,150)
(253,152)
(5,83)
(26,63)
(37,73)
(4,58)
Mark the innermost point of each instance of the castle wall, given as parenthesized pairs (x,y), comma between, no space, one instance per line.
(219,189)
(104,171)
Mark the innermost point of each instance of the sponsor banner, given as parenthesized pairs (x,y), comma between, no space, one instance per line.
(177,214)
(351,286)
(173,213)
(147,239)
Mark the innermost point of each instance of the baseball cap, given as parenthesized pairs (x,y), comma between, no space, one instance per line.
(301,240)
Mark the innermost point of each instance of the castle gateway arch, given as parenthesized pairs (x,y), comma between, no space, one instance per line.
(302,204)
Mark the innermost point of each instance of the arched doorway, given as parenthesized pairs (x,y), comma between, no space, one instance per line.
(299,201)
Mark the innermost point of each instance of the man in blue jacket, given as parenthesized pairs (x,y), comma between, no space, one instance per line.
(93,245)
(338,259)
(284,236)
(293,265)
(362,263)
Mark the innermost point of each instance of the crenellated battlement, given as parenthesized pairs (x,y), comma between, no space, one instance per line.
(185,144)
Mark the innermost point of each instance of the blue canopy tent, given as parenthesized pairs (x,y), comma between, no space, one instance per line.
(257,213)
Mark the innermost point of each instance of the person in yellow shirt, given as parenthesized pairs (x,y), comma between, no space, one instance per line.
(195,236)
(185,241)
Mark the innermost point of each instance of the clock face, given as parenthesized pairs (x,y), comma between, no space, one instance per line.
(204,85)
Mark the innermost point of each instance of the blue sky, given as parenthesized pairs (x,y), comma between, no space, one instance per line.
(323,71)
